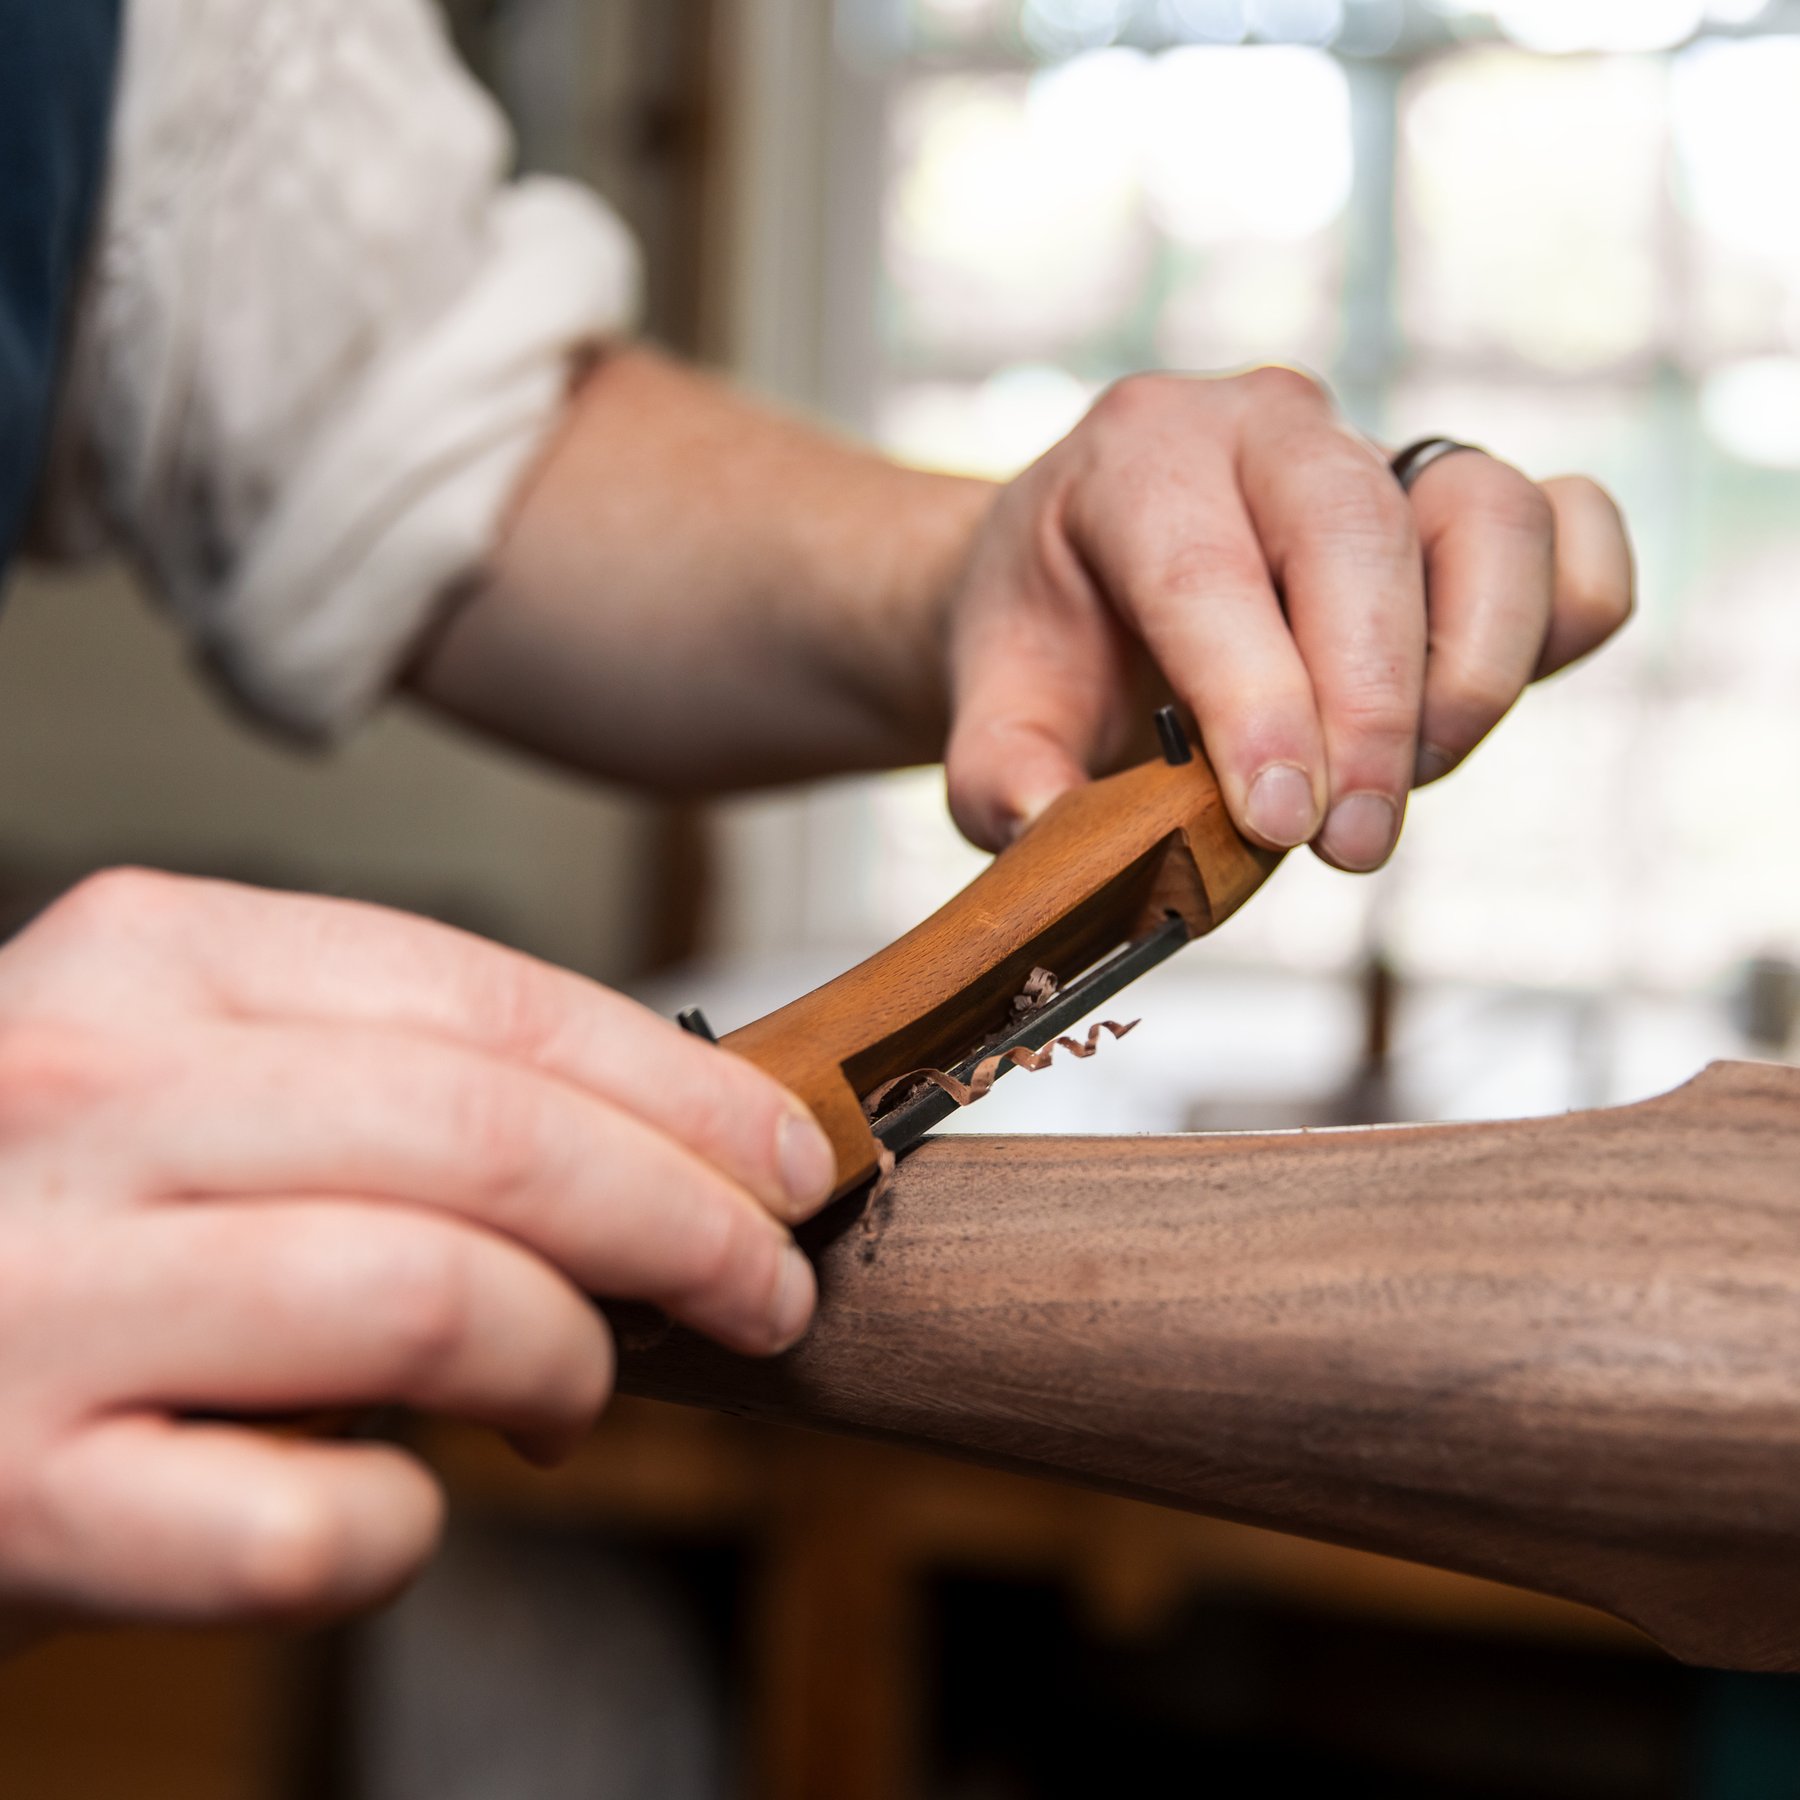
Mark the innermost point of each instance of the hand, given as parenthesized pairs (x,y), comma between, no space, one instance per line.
(262,1154)
(1336,643)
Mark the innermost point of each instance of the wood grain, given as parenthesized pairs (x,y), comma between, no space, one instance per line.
(1105,863)
(1564,1353)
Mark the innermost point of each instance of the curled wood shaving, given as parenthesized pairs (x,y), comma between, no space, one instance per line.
(986,1072)
(1040,988)
(875,1210)
(966,1093)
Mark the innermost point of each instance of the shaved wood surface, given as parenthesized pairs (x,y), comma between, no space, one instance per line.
(1563,1352)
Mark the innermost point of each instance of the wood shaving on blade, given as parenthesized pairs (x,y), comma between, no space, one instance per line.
(986,1072)
(875,1208)
(1040,989)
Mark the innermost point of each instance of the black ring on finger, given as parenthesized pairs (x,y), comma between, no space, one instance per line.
(1415,459)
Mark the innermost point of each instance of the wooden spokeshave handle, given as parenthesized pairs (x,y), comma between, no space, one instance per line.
(1106,864)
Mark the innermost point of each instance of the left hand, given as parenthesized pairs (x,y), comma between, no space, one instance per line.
(1337,642)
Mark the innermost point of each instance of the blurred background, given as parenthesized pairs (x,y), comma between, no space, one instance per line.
(1565,229)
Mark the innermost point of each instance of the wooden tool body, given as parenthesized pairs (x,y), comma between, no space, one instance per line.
(1105,864)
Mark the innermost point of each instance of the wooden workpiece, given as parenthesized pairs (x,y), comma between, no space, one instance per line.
(1562,1352)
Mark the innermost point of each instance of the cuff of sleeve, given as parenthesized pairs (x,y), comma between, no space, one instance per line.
(402,497)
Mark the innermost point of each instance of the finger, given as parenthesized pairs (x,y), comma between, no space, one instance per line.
(295,1305)
(1595,580)
(287,956)
(1037,675)
(1178,556)
(205,1524)
(1489,538)
(621,1209)
(1341,542)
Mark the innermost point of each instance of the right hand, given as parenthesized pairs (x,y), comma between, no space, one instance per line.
(1337,641)
(264,1154)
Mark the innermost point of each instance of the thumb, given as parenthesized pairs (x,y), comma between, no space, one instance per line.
(1032,697)
(1003,775)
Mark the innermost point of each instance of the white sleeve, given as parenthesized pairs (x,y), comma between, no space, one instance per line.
(322,337)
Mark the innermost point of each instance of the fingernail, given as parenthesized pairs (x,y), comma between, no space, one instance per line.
(1280,806)
(1361,831)
(1430,765)
(807,1162)
(1024,817)
(795,1294)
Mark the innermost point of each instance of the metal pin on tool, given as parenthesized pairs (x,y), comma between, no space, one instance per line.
(1175,746)
(691,1018)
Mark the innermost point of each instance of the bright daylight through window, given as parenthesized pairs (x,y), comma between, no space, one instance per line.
(1562,228)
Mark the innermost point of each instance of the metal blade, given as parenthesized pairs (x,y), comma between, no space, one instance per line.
(904,1123)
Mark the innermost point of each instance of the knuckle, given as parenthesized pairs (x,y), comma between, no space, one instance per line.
(712,1254)
(726,1252)
(420,1289)
(1388,509)
(1119,409)
(115,900)
(1375,716)
(1472,699)
(1186,571)
(1348,506)
(732,1114)
(509,1007)
(53,1070)
(1355,502)
(1510,503)
(498,1132)
(1281,384)
(730,1137)
(1135,400)
(1369,533)
(742,1106)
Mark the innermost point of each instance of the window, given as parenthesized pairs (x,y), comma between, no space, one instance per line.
(1562,228)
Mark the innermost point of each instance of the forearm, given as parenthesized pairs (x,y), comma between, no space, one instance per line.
(697,593)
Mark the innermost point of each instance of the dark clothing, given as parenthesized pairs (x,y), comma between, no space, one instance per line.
(57,59)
